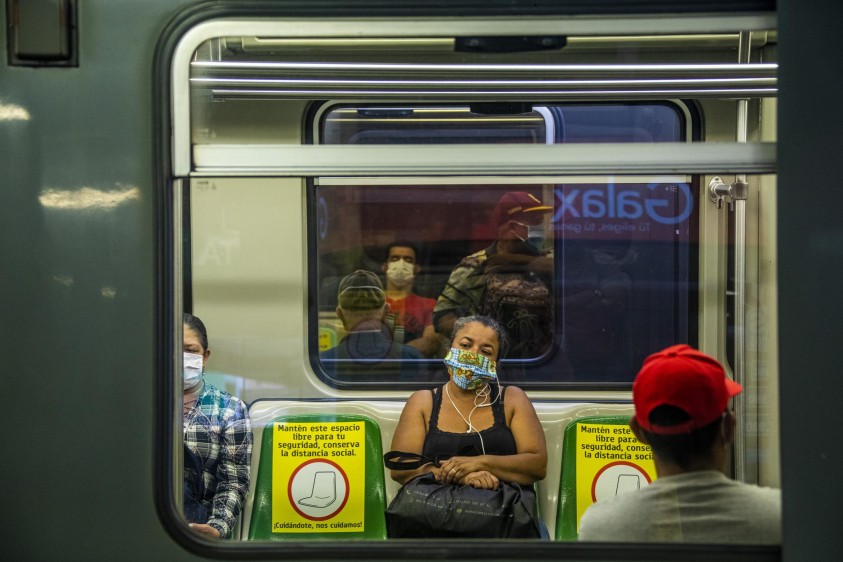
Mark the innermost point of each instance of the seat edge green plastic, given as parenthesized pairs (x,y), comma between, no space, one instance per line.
(566,512)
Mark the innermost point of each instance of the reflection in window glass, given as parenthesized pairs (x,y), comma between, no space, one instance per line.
(480,123)
(586,287)
(608,281)
(484,123)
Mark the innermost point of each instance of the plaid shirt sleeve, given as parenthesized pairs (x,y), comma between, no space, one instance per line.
(232,472)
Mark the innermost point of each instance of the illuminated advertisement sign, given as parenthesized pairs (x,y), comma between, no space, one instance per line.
(628,211)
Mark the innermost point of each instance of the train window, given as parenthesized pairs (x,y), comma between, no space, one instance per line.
(350,187)
(504,123)
(618,280)
(481,123)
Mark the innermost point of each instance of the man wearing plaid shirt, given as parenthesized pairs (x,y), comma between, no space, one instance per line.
(218,432)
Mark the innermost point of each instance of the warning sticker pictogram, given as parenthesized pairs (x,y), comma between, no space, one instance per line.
(618,478)
(318,489)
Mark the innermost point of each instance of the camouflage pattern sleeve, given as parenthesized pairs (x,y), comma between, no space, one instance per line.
(464,289)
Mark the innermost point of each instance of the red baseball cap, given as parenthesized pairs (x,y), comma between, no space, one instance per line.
(519,206)
(685,378)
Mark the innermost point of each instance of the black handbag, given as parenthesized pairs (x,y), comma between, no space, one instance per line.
(424,507)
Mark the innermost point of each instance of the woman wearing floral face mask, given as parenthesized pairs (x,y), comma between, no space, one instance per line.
(490,432)
(218,443)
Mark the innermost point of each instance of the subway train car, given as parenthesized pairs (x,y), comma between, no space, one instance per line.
(238,159)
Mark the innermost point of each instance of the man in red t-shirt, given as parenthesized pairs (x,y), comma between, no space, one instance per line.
(413,312)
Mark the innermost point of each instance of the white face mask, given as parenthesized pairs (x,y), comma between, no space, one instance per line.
(192,369)
(535,236)
(400,273)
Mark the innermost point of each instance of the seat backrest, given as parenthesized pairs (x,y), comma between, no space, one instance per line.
(319,476)
(601,458)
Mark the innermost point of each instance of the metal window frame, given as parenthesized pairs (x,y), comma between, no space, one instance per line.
(700,158)
(294,160)
(423,27)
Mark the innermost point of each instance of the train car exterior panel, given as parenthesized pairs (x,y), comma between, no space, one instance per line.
(96,170)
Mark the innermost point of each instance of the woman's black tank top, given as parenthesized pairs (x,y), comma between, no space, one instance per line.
(497,440)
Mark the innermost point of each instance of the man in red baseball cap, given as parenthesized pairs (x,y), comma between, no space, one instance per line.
(680,378)
(509,281)
(681,399)
(520,206)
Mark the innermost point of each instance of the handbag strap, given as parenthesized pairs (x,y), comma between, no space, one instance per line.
(399,460)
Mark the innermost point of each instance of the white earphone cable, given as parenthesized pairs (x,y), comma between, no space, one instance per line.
(484,393)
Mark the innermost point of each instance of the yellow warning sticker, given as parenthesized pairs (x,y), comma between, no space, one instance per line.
(610,462)
(318,477)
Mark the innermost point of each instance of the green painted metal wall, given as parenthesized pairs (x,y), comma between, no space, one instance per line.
(77,295)
(77,290)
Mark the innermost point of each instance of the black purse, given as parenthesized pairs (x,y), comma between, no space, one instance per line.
(424,507)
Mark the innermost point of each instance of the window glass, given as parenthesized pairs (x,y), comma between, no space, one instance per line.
(610,282)
(480,123)
(503,123)
(586,286)
(328,293)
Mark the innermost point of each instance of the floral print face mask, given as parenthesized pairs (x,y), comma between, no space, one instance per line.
(470,370)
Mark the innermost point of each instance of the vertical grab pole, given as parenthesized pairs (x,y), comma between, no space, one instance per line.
(740,280)
(740,339)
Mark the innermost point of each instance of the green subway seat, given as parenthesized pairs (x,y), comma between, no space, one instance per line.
(373,488)
(566,514)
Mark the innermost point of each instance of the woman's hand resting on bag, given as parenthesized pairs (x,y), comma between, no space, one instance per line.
(456,469)
(481,479)
(453,470)
(466,471)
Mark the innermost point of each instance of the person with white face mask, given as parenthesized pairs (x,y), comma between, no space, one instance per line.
(218,442)
(412,311)
(511,280)
(193,370)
